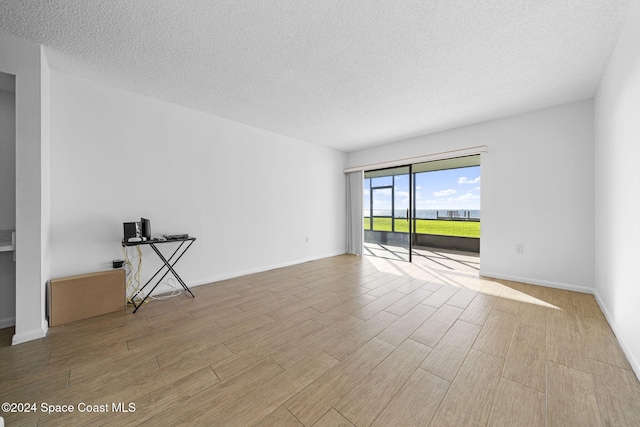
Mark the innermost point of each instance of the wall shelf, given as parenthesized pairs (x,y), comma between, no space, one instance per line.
(7,247)
(7,240)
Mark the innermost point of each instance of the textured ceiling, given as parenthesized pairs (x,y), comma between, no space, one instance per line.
(345,74)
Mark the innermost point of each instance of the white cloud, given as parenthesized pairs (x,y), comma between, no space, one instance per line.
(444,193)
(466,196)
(465,180)
(402,199)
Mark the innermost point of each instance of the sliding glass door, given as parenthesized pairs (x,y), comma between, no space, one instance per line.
(425,205)
(387,213)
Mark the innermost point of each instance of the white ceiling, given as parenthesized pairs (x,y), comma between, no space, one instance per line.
(345,74)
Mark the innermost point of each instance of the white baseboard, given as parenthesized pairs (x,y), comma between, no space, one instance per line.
(547,283)
(164,288)
(261,269)
(7,322)
(635,365)
(28,336)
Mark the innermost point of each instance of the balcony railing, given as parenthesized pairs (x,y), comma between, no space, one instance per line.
(454,226)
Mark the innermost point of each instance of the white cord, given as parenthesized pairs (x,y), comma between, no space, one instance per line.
(133,281)
(176,290)
(133,276)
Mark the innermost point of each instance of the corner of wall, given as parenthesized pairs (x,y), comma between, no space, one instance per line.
(24,59)
(23,337)
(624,344)
(45,179)
(616,133)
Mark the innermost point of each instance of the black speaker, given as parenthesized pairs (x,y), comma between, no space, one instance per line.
(146,228)
(131,229)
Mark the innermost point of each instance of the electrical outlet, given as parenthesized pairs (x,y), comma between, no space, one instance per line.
(519,249)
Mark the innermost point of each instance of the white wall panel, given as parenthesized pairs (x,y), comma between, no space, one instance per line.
(251,197)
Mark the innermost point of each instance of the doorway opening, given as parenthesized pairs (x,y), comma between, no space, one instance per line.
(425,212)
(7,200)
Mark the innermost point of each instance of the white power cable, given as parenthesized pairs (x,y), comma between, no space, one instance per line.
(133,280)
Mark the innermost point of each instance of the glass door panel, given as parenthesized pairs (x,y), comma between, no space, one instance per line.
(381,207)
(401,203)
(414,208)
(387,223)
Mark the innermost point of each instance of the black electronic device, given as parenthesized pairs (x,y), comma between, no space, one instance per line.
(131,230)
(145,228)
(176,236)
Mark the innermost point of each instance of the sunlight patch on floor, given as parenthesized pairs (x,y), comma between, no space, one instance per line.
(452,268)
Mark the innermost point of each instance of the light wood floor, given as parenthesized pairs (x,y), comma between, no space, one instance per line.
(340,341)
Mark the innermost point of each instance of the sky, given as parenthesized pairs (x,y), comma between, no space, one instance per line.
(451,189)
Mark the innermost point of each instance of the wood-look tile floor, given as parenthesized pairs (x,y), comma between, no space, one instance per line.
(340,341)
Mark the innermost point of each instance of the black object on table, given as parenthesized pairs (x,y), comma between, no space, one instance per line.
(185,244)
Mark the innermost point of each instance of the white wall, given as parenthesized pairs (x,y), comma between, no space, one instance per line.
(45,176)
(250,197)
(537,190)
(23,59)
(7,206)
(617,189)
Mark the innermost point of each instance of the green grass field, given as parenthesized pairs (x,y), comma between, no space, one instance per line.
(428,226)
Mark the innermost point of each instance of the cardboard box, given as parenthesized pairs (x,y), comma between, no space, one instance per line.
(87,295)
